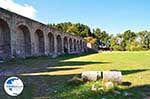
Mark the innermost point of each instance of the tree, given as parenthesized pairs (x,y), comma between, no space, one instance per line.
(144,37)
(126,41)
(90,40)
(102,37)
(133,46)
(147,40)
(115,43)
(97,32)
(129,36)
(73,29)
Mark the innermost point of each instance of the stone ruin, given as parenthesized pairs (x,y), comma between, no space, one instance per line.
(106,76)
(23,37)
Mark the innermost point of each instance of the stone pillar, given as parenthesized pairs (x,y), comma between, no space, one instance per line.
(68,46)
(55,46)
(62,39)
(73,51)
(46,44)
(13,39)
(82,46)
(77,46)
(33,40)
(69,50)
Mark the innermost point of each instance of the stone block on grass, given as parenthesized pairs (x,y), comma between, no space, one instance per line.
(91,75)
(112,76)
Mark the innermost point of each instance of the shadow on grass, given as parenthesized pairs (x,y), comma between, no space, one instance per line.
(126,72)
(61,66)
(70,56)
(41,64)
(79,63)
(40,61)
(49,69)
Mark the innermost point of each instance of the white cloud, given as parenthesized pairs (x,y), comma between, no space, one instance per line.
(24,10)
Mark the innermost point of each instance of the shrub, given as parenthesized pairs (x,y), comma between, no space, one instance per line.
(75,81)
(117,48)
(133,46)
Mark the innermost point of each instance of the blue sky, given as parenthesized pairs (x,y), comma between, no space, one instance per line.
(114,16)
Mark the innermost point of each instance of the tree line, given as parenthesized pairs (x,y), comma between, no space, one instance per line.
(126,41)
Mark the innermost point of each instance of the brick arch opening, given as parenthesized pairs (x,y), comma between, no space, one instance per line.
(59,44)
(70,45)
(75,45)
(65,45)
(23,41)
(40,45)
(51,43)
(5,39)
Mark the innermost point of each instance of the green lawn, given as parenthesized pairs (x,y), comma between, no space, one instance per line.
(46,78)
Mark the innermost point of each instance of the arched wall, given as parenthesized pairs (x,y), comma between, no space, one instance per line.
(5,40)
(24,37)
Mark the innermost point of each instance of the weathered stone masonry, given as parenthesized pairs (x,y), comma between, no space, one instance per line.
(23,37)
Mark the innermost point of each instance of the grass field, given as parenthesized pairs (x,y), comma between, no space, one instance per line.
(46,78)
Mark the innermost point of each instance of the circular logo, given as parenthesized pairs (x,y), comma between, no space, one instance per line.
(13,86)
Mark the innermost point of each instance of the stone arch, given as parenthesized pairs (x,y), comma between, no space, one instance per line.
(5,40)
(23,41)
(40,45)
(70,45)
(51,42)
(65,45)
(59,44)
(75,45)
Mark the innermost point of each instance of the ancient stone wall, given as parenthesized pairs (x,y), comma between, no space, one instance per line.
(23,37)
